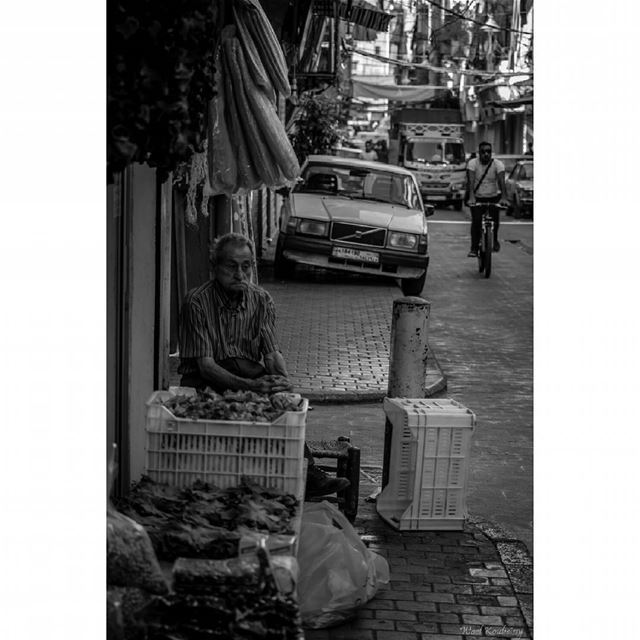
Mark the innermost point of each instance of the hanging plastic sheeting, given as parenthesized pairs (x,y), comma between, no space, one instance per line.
(399,92)
(255,24)
(222,167)
(198,183)
(249,147)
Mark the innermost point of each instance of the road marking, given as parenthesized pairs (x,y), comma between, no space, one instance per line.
(468,222)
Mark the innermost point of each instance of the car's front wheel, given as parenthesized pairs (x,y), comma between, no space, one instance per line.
(413,286)
(282,267)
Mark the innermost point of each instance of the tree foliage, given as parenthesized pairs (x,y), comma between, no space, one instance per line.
(316,128)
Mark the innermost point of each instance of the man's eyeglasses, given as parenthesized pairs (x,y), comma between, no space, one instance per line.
(231,268)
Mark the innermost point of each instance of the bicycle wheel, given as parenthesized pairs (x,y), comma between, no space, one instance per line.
(488,243)
(480,258)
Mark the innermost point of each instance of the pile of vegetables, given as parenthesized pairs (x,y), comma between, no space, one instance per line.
(232,598)
(202,521)
(214,593)
(246,406)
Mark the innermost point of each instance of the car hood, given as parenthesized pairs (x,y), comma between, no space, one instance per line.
(367,212)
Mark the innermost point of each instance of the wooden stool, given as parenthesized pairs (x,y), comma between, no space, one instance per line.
(347,459)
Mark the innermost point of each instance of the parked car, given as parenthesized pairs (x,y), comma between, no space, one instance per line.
(346,152)
(519,186)
(357,216)
(509,161)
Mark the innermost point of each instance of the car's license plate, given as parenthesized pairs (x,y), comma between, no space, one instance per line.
(436,197)
(347,253)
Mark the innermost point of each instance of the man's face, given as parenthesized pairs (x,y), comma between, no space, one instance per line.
(233,270)
(485,154)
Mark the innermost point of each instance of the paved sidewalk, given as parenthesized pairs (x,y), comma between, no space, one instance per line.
(445,585)
(336,341)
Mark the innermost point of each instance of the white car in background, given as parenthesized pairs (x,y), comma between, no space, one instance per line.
(357,216)
(519,185)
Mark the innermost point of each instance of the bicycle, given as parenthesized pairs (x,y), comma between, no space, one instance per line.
(485,250)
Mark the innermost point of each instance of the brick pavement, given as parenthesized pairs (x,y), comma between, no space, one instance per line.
(336,342)
(444,585)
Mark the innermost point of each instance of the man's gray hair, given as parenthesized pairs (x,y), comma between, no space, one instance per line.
(229,240)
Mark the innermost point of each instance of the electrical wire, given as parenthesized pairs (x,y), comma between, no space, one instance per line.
(482,24)
(426,65)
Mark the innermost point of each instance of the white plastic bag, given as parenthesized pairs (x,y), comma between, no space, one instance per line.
(338,573)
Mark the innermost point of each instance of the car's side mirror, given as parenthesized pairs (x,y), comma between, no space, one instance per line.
(429,210)
(285,192)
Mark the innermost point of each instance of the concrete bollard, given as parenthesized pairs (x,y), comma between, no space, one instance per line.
(408,359)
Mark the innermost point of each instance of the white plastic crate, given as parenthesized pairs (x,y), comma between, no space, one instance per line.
(181,450)
(428,465)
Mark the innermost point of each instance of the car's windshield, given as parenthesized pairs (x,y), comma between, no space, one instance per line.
(435,151)
(526,171)
(508,163)
(360,183)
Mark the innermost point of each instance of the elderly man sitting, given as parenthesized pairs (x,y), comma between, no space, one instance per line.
(228,340)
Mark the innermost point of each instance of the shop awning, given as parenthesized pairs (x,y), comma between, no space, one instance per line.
(399,92)
(517,102)
(358,12)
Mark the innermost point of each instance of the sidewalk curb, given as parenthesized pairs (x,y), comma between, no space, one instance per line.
(517,561)
(435,382)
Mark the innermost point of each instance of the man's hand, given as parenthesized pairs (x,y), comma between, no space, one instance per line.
(271,384)
(261,385)
(504,202)
(471,202)
(280,383)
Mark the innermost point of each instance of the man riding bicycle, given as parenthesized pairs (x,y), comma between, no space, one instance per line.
(485,184)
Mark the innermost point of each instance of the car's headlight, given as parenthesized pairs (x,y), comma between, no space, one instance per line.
(403,240)
(313,227)
(292,224)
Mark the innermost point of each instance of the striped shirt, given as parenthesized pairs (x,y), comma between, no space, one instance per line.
(214,325)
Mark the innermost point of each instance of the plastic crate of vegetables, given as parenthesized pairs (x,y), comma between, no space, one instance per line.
(221,438)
